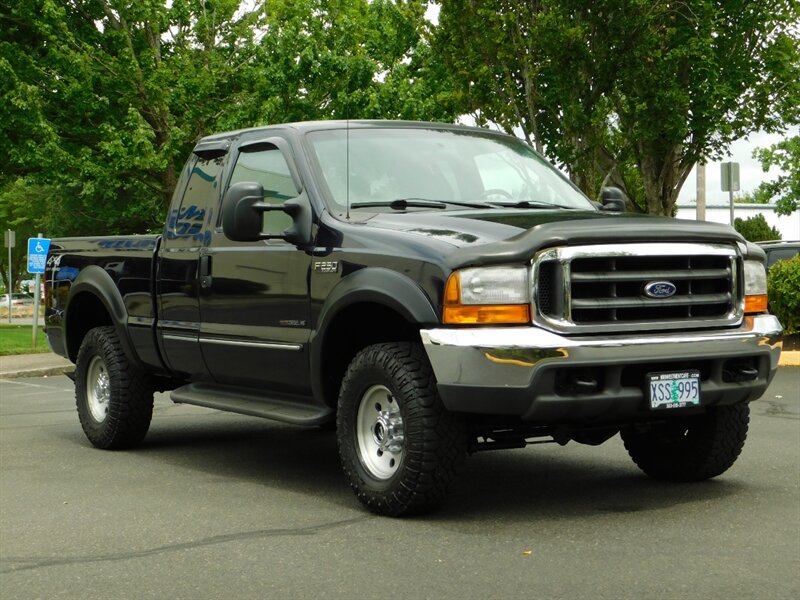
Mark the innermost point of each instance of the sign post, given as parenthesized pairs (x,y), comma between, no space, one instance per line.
(730,181)
(10,241)
(37,260)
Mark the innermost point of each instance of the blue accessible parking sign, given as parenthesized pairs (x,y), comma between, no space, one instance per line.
(37,254)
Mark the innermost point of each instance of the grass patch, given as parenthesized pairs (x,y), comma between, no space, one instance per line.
(17,339)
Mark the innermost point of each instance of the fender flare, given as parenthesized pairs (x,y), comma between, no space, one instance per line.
(97,282)
(375,285)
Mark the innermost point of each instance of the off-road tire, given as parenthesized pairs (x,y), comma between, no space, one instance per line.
(690,448)
(128,403)
(435,440)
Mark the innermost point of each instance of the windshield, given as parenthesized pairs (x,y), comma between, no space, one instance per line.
(463,168)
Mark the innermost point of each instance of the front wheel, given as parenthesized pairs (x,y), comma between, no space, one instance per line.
(690,448)
(399,447)
(113,397)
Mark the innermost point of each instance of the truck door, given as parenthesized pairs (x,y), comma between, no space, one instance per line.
(255,302)
(188,230)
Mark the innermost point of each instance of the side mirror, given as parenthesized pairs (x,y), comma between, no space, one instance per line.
(613,199)
(242,215)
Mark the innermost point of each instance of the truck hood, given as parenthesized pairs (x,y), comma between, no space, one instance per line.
(501,236)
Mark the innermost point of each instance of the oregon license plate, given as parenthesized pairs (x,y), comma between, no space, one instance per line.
(674,390)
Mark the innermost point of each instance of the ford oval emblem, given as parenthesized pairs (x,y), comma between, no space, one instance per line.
(660,289)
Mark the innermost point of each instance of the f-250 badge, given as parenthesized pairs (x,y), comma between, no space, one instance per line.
(326,266)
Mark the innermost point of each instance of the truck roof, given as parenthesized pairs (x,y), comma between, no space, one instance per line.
(303,126)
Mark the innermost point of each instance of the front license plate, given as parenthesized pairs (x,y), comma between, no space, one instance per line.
(674,390)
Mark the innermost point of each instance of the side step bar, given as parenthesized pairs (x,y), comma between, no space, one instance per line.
(246,402)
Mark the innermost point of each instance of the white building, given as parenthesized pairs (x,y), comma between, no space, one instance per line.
(716,212)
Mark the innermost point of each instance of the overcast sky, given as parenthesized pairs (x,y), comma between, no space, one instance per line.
(750,173)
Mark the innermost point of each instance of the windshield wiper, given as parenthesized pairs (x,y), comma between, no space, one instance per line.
(467,204)
(530,204)
(403,203)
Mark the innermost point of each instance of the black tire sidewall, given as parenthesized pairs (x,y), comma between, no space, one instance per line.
(434,439)
(130,398)
(358,385)
(710,446)
(96,431)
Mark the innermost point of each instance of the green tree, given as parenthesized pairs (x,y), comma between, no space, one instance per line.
(783,288)
(786,188)
(22,207)
(757,196)
(103,99)
(113,93)
(756,229)
(341,59)
(627,92)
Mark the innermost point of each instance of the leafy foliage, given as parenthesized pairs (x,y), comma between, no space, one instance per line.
(22,210)
(628,93)
(757,196)
(786,188)
(119,90)
(756,229)
(783,287)
(104,99)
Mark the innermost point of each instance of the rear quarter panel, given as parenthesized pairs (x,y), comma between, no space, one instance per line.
(127,261)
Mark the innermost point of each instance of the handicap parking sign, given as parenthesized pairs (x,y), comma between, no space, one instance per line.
(37,254)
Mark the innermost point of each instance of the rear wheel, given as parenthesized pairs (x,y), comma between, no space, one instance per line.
(399,447)
(690,448)
(113,397)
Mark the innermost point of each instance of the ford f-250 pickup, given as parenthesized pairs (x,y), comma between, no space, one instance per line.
(431,290)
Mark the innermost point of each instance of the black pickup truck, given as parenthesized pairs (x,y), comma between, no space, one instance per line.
(431,290)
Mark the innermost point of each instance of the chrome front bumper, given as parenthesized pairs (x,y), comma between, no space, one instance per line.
(515,370)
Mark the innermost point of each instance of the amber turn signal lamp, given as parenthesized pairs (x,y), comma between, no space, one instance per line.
(505,314)
(456,313)
(755,304)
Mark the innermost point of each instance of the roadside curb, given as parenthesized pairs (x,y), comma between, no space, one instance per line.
(40,372)
(790,359)
(43,364)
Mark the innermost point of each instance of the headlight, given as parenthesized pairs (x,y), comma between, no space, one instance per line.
(499,295)
(755,287)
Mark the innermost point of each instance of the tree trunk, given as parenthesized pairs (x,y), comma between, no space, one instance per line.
(662,176)
(168,183)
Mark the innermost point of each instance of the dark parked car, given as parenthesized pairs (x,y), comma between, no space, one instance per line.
(18,301)
(779,250)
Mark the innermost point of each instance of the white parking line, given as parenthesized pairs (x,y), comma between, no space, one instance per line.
(25,384)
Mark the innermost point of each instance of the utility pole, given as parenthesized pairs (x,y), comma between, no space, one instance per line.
(11,241)
(701,192)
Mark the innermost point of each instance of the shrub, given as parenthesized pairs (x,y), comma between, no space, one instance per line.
(756,229)
(783,286)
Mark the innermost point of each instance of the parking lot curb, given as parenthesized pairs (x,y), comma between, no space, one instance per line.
(40,372)
(790,359)
(44,364)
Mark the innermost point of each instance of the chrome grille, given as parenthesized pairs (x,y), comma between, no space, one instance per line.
(602,288)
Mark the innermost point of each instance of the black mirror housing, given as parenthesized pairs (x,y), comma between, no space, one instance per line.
(613,199)
(300,211)
(242,215)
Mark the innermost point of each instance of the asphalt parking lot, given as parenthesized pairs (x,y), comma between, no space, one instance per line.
(215,505)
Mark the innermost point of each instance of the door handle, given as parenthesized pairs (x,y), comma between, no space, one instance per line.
(205,271)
